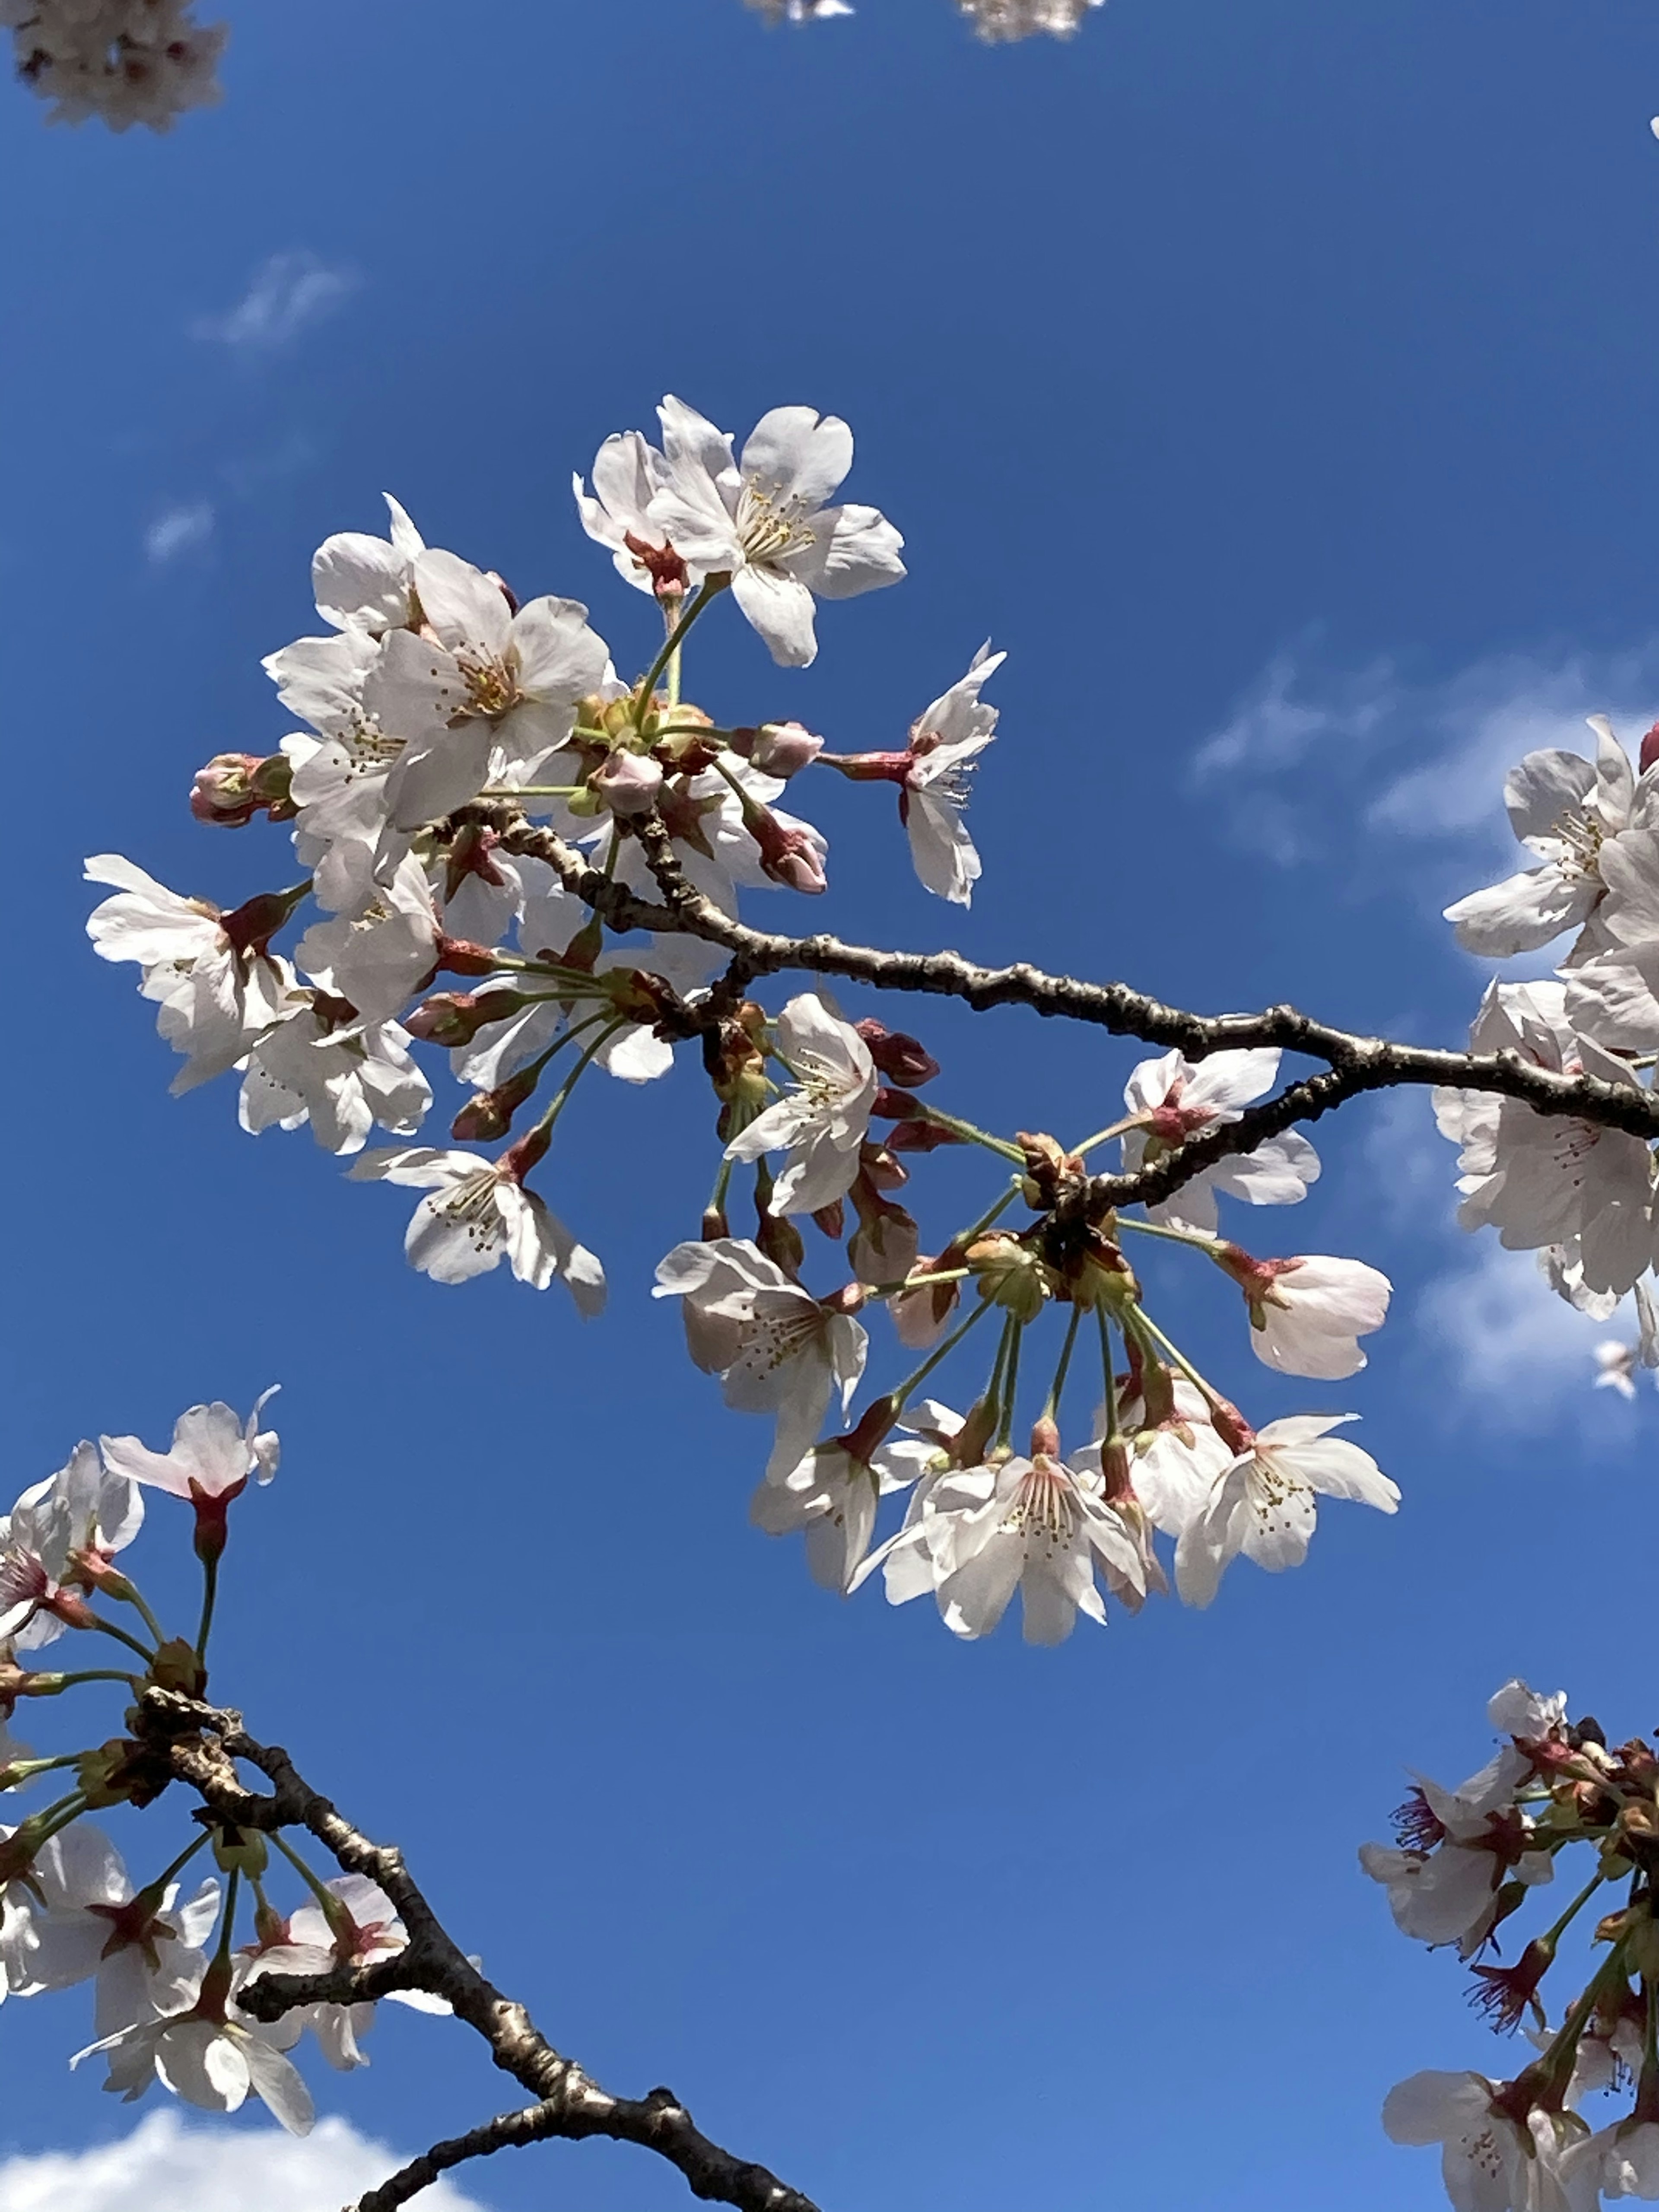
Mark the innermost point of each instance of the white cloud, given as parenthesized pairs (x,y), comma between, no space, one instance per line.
(164,2166)
(180,530)
(1508,1341)
(1424,761)
(286,295)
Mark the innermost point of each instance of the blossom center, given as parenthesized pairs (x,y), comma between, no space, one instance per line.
(769,528)
(1043,1506)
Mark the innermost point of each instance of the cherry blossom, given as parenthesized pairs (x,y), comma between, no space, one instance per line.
(340,1077)
(945,741)
(218,985)
(209,2059)
(59,1530)
(1489,2163)
(523,671)
(830,1497)
(213,1452)
(1000,21)
(628,473)
(478,1213)
(1476,1840)
(776,1349)
(1564,809)
(1264,1506)
(761,519)
(1543,1179)
(125,64)
(1177,1099)
(1307,1314)
(821,1124)
(366,583)
(143,1949)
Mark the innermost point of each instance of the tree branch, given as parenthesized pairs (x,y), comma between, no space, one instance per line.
(1357,1063)
(201,1743)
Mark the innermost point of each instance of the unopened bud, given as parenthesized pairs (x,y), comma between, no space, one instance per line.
(897,1056)
(780,1240)
(789,857)
(780,748)
(831,1219)
(460,957)
(920,1137)
(455,1018)
(1649,751)
(489,1113)
(233,788)
(241,1850)
(627,782)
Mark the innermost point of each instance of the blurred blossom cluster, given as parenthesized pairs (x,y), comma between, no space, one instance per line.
(124,62)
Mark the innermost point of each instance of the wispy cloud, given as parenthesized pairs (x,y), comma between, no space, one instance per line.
(164,2167)
(1420,759)
(288,295)
(179,530)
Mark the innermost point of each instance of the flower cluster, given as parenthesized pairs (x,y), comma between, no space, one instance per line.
(474,790)
(167,1986)
(1582,1195)
(1469,1860)
(1167,1452)
(125,62)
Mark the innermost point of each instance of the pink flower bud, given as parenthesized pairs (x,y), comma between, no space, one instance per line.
(900,1058)
(783,748)
(235,787)
(627,782)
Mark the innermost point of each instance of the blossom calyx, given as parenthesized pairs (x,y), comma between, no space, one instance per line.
(1009,1275)
(920,1135)
(123,1772)
(899,1057)
(233,787)
(251,927)
(667,570)
(789,857)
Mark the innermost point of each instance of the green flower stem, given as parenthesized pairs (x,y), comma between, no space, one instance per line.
(917,1282)
(183,1860)
(589,1052)
(1195,1236)
(1138,1319)
(1114,1429)
(1010,1382)
(108,1628)
(1052,1409)
(1559,2056)
(1104,1136)
(913,1384)
(61,1682)
(707,591)
(971,1132)
(534,791)
(134,1597)
(222,1956)
(325,1896)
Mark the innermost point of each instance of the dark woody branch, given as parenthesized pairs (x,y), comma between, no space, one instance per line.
(202,1743)
(1355,1063)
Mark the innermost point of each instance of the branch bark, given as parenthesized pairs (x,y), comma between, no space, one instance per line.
(202,1744)
(1355,1063)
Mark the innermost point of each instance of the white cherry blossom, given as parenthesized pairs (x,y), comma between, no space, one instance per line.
(1181,1098)
(85,1509)
(821,1123)
(775,1347)
(1518,1709)
(1543,1179)
(1489,2163)
(829,1496)
(209,2060)
(1265,1506)
(1564,809)
(341,1078)
(1307,1314)
(477,1212)
(379,959)
(366,583)
(945,742)
(213,1452)
(1615,1364)
(145,1954)
(217,986)
(524,673)
(628,474)
(1447,1892)
(762,518)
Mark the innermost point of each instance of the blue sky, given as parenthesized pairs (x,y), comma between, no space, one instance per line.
(1273,384)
